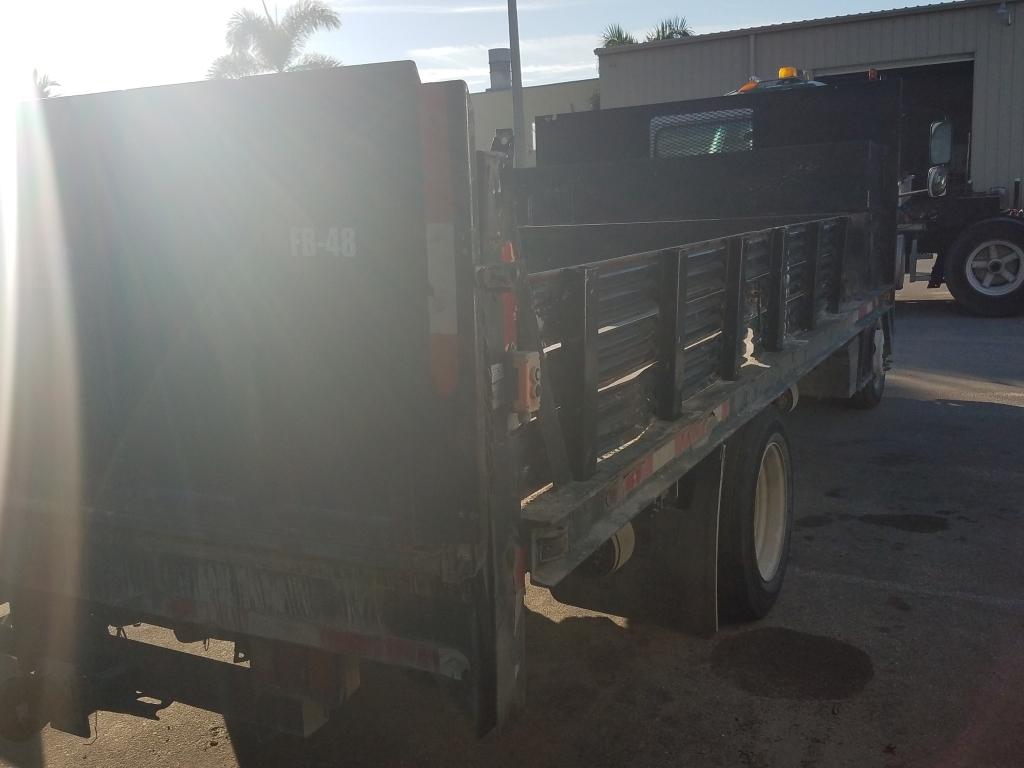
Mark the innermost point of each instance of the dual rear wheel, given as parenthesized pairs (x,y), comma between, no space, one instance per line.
(756,518)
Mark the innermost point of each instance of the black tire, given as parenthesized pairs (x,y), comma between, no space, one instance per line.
(743,593)
(870,395)
(958,282)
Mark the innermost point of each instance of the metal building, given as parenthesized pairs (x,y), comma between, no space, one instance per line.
(971,52)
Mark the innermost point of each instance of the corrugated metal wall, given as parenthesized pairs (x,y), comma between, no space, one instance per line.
(715,65)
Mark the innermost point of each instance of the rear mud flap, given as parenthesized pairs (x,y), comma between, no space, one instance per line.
(671,579)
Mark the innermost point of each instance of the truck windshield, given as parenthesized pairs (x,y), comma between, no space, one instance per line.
(702,133)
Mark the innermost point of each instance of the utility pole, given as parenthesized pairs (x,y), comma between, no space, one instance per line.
(518,115)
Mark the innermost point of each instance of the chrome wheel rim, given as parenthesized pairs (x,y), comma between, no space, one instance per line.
(996,268)
(771,507)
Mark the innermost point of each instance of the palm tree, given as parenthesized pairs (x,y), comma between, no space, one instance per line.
(671,28)
(44,85)
(263,43)
(614,35)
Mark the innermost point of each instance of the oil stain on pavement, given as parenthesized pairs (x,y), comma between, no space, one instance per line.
(781,663)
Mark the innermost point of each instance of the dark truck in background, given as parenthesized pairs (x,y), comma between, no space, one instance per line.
(296,368)
(978,240)
(979,244)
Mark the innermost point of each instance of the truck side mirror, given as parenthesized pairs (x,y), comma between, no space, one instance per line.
(938,177)
(940,145)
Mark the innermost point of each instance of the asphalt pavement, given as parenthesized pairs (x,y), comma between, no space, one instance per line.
(898,640)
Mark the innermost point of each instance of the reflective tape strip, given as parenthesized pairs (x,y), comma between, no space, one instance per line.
(439,217)
(441,274)
(438,202)
(390,649)
(692,436)
(867,309)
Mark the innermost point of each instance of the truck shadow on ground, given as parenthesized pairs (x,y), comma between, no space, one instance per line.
(943,314)
(930,308)
(600,694)
(405,719)
(27,754)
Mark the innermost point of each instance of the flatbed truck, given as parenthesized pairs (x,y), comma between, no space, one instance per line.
(293,366)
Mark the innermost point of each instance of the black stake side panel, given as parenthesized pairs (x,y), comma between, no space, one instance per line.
(582,516)
(829,115)
(673,321)
(781,181)
(562,245)
(594,214)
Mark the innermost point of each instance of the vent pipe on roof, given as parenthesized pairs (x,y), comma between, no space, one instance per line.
(500,60)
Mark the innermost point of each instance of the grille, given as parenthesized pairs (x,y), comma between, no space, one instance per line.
(702,133)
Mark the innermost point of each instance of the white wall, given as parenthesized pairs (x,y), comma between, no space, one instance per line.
(493,109)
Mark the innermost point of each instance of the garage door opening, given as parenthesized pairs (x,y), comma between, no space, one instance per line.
(930,92)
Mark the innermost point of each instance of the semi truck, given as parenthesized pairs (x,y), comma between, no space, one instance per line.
(292,366)
(978,243)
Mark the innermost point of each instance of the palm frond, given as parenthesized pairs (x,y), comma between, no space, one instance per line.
(267,41)
(232,66)
(43,84)
(259,42)
(672,28)
(614,35)
(305,17)
(277,49)
(245,29)
(314,61)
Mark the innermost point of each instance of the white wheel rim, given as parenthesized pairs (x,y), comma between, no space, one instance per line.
(995,268)
(771,506)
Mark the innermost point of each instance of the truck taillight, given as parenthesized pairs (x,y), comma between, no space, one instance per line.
(527,372)
(441,235)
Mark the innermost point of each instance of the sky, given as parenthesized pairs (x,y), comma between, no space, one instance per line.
(100,45)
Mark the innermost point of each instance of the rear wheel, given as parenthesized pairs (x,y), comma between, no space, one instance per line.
(985,272)
(756,519)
